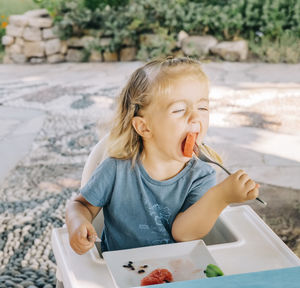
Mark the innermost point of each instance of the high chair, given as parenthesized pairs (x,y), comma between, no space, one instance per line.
(240,242)
(97,155)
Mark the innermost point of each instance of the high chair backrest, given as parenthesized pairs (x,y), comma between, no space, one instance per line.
(97,155)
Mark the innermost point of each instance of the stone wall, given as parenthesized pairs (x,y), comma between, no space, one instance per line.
(32,38)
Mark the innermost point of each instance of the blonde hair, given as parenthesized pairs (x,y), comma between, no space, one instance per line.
(154,78)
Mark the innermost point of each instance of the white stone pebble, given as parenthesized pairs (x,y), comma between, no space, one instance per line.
(26,228)
(17,245)
(37,241)
(34,262)
(47,251)
(17,231)
(44,267)
(10,236)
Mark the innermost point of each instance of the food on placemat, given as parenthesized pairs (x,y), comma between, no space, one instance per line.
(158,276)
(213,271)
(189,143)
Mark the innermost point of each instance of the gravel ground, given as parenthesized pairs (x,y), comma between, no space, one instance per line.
(34,194)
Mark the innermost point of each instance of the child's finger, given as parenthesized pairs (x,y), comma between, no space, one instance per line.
(80,245)
(239,174)
(91,233)
(244,178)
(252,194)
(81,249)
(83,236)
(85,243)
(250,185)
(87,236)
(92,238)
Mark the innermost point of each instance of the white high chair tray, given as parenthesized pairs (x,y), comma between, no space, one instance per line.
(186,261)
(257,248)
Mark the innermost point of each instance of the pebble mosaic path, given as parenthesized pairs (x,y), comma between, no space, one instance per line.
(34,195)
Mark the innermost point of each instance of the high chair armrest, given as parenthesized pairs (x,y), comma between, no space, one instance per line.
(77,271)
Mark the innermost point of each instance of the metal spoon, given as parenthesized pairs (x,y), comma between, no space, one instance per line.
(205,158)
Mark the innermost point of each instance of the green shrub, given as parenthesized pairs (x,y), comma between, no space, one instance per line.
(272,17)
(71,17)
(226,20)
(161,45)
(283,49)
(94,4)
(53,6)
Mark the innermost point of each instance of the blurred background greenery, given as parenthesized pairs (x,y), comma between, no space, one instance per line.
(271,27)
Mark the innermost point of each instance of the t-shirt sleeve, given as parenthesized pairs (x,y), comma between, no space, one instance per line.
(200,187)
(98,189)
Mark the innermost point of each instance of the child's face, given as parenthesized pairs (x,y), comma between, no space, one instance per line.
(170,117)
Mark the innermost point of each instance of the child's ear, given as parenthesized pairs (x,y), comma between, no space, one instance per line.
(140,126)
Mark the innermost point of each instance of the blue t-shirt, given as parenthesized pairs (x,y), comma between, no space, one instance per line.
(138,210)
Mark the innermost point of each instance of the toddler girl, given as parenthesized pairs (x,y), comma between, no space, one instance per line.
(150,192)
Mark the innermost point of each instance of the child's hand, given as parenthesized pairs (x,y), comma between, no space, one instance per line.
(83,237)
(238,187)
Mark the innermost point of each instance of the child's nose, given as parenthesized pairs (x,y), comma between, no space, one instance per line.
(194,127)
(194,116)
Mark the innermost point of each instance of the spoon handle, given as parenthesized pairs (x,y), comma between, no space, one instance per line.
(221,167)
(206,159)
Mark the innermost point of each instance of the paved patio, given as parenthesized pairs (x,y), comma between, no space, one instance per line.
(52,115)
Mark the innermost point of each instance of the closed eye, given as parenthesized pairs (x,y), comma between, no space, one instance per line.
(203,108)
(178,111)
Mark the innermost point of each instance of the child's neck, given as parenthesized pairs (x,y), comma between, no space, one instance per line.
(159,169)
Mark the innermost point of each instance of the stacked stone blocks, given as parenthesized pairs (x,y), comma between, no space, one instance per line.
(31,38)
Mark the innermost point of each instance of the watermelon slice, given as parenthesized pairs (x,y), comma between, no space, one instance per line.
(158,276)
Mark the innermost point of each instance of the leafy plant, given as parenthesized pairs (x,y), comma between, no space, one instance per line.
(53,6)
(162,44)
(94,4)
(282,49)
(72,18)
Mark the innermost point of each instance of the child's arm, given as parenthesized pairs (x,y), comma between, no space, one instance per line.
(198,219)
(79,216)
